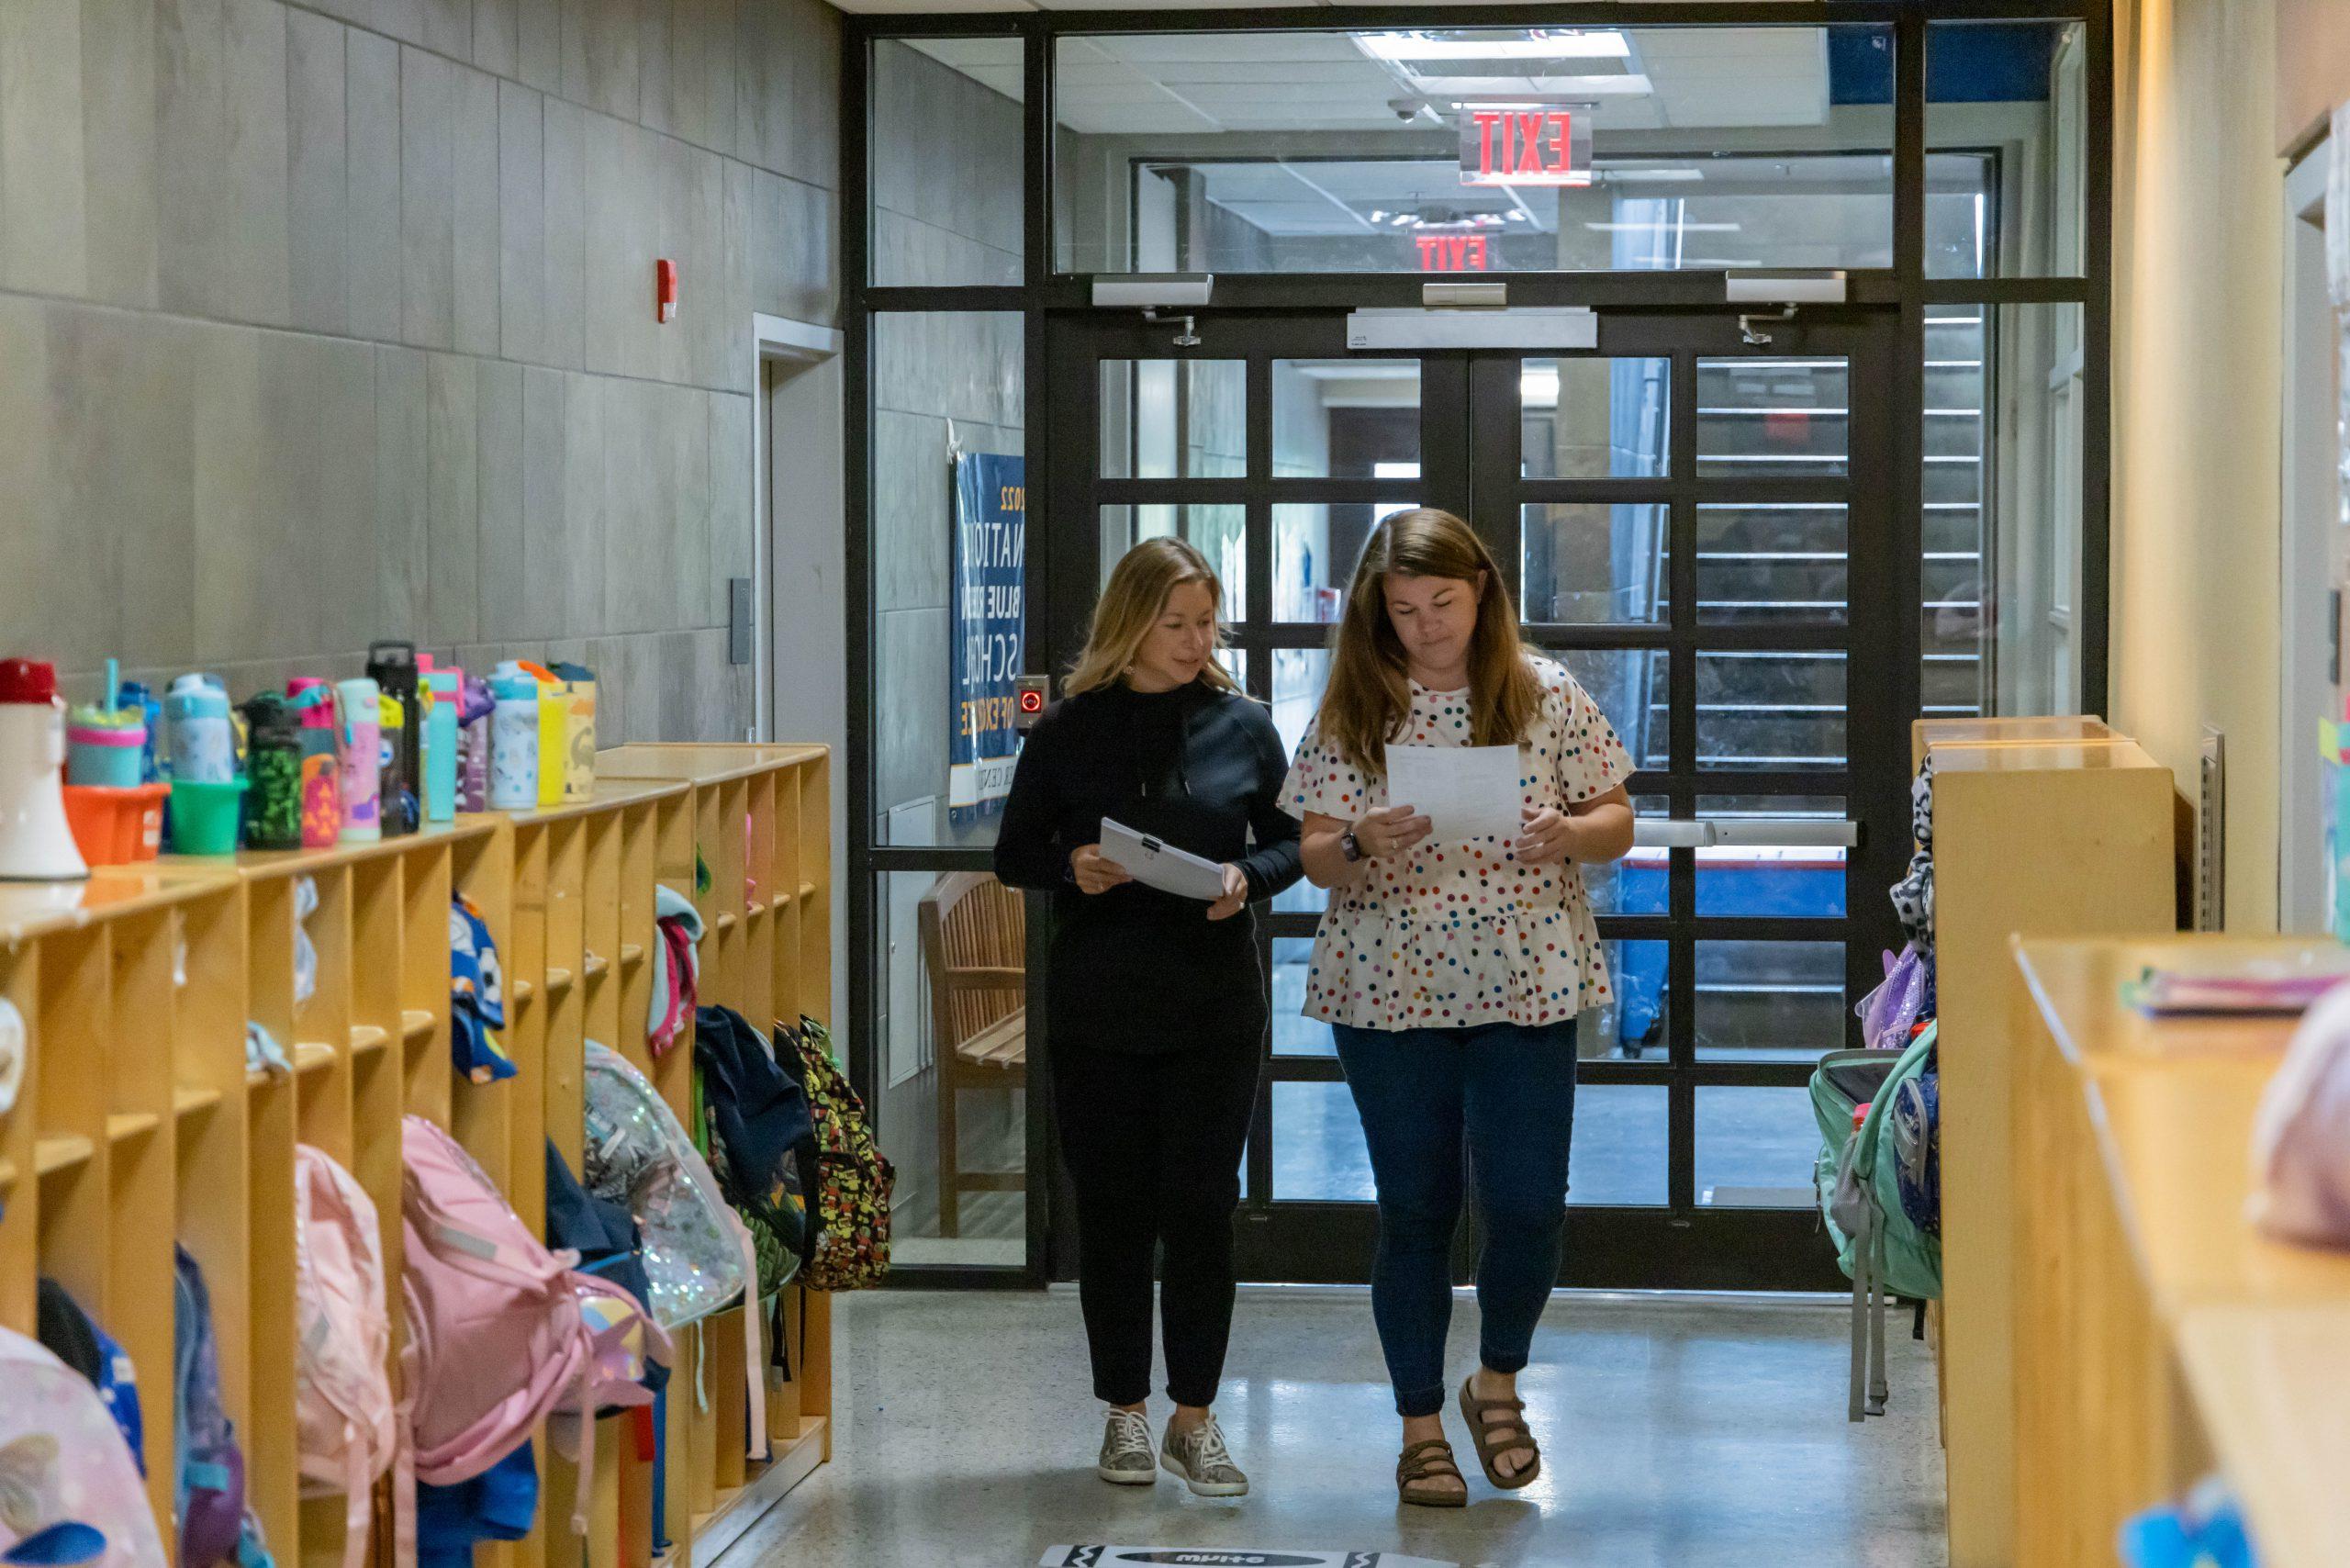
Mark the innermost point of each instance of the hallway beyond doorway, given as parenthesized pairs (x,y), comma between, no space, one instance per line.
(1681,1432)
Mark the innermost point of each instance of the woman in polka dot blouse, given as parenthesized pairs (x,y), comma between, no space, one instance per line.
(1451,972)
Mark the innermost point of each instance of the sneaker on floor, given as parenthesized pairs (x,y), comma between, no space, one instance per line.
(1126,1458)
(1200,1457)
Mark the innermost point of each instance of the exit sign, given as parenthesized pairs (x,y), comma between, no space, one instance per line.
(1525,144)
(1452,252)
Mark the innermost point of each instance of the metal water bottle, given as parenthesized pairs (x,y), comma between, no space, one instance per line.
(443,690)
(400,720)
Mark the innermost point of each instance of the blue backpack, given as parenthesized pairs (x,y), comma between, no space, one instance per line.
(73,1338)
(215,1525)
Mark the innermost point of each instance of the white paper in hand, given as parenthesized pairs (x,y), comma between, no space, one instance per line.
(1160,865)
(1465,791)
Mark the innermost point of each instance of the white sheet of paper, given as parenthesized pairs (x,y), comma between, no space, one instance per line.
(1160,865)
(1466,791)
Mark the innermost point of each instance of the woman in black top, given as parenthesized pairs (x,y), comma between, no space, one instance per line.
(1156,1005)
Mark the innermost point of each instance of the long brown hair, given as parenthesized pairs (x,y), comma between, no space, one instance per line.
(1369,698)
(1133,600)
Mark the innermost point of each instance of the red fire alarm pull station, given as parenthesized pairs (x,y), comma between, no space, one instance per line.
(665,289)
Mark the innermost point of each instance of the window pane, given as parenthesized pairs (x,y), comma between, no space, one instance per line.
(1219,531)
(1316,547)
(1318,1150)
(1618,1156)
(1785,882)
(2001,570)
(1771,709)
(1595,418)
(2006,126)
(1631,687)
(1766,564)
(1630,1024)
(1174,418)
(1756,1148)
(1773,418)
(954,1114)
(1636,884)
(1448,150)
(1357,418)
(1294,1035)
(1770,1001)
(944,148)
(1299,675)
(929,369)
(1593,563)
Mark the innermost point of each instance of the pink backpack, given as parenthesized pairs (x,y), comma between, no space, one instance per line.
(494,1336)
(342,1391)
(68,1491)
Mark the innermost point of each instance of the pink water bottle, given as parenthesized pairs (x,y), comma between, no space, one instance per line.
(313,702)
(362,741)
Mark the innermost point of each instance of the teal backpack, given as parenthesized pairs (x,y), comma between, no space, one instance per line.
(1858,1182)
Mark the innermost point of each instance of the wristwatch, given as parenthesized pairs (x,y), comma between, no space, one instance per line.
(1350,846)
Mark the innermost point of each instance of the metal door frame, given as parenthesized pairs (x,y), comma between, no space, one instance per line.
(1469,441)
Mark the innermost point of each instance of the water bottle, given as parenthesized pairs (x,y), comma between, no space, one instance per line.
(135,695)
(554,728)
(475,706)
(392,666)
(274,764)
(579,737)
(313,703)
(514,740)
(362,741)
(195,725)
(444,692)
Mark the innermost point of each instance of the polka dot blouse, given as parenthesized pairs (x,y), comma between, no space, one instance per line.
(1450,936)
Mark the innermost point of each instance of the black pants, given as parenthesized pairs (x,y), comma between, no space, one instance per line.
(1153,1146)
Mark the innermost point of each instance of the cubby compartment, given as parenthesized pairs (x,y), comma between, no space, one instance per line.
(139,1123)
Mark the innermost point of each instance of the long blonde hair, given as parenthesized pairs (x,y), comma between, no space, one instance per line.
(1137,595)
(1369,698)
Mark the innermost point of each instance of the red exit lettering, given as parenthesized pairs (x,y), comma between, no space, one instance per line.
(1506,145)
(1452,252)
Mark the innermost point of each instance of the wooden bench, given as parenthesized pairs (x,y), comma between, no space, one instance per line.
(975,949)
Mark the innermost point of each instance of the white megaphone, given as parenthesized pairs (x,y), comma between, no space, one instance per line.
(36,845)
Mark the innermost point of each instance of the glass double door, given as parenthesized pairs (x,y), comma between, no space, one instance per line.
(1702,528)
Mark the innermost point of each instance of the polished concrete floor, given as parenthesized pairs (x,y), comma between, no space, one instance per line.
(1678,1432)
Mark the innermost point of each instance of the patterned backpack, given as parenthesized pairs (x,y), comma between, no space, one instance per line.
(69,1492)
(844,1173)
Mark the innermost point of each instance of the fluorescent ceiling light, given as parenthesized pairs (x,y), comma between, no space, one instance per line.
(1573,89)
(1650,228)
(1537,388)
(1600,45)
(1660,176)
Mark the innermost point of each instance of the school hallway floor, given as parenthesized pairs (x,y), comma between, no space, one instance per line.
(1677,1432)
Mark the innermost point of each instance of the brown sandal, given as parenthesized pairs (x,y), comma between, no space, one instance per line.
(1426,1459)
(1494,1438)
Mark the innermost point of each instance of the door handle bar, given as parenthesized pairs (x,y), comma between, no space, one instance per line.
(1791,833)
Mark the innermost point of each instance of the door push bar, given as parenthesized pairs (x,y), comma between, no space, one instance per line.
(1792,833)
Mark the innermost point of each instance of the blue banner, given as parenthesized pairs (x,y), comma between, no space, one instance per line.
(990,631)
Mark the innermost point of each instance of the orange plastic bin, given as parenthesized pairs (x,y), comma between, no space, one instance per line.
(117,826)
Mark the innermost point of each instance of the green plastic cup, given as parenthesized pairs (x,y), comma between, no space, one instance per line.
(203,816)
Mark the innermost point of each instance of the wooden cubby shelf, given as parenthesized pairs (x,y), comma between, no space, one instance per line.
(65,1151)
(136,1099)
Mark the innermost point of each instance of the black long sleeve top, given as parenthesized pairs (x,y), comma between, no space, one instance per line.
(1134,969)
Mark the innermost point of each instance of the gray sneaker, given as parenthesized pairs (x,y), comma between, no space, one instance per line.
(1126,1458)
(1200,1457)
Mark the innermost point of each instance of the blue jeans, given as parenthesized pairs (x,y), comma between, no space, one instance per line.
(1512,1091)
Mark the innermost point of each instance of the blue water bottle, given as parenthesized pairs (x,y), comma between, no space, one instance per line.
(195,728)
(442,689)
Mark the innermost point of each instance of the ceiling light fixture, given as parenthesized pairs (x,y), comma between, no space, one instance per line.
(1651,227)
(1531,45)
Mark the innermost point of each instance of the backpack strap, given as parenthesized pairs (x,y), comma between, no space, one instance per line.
(753,1358)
